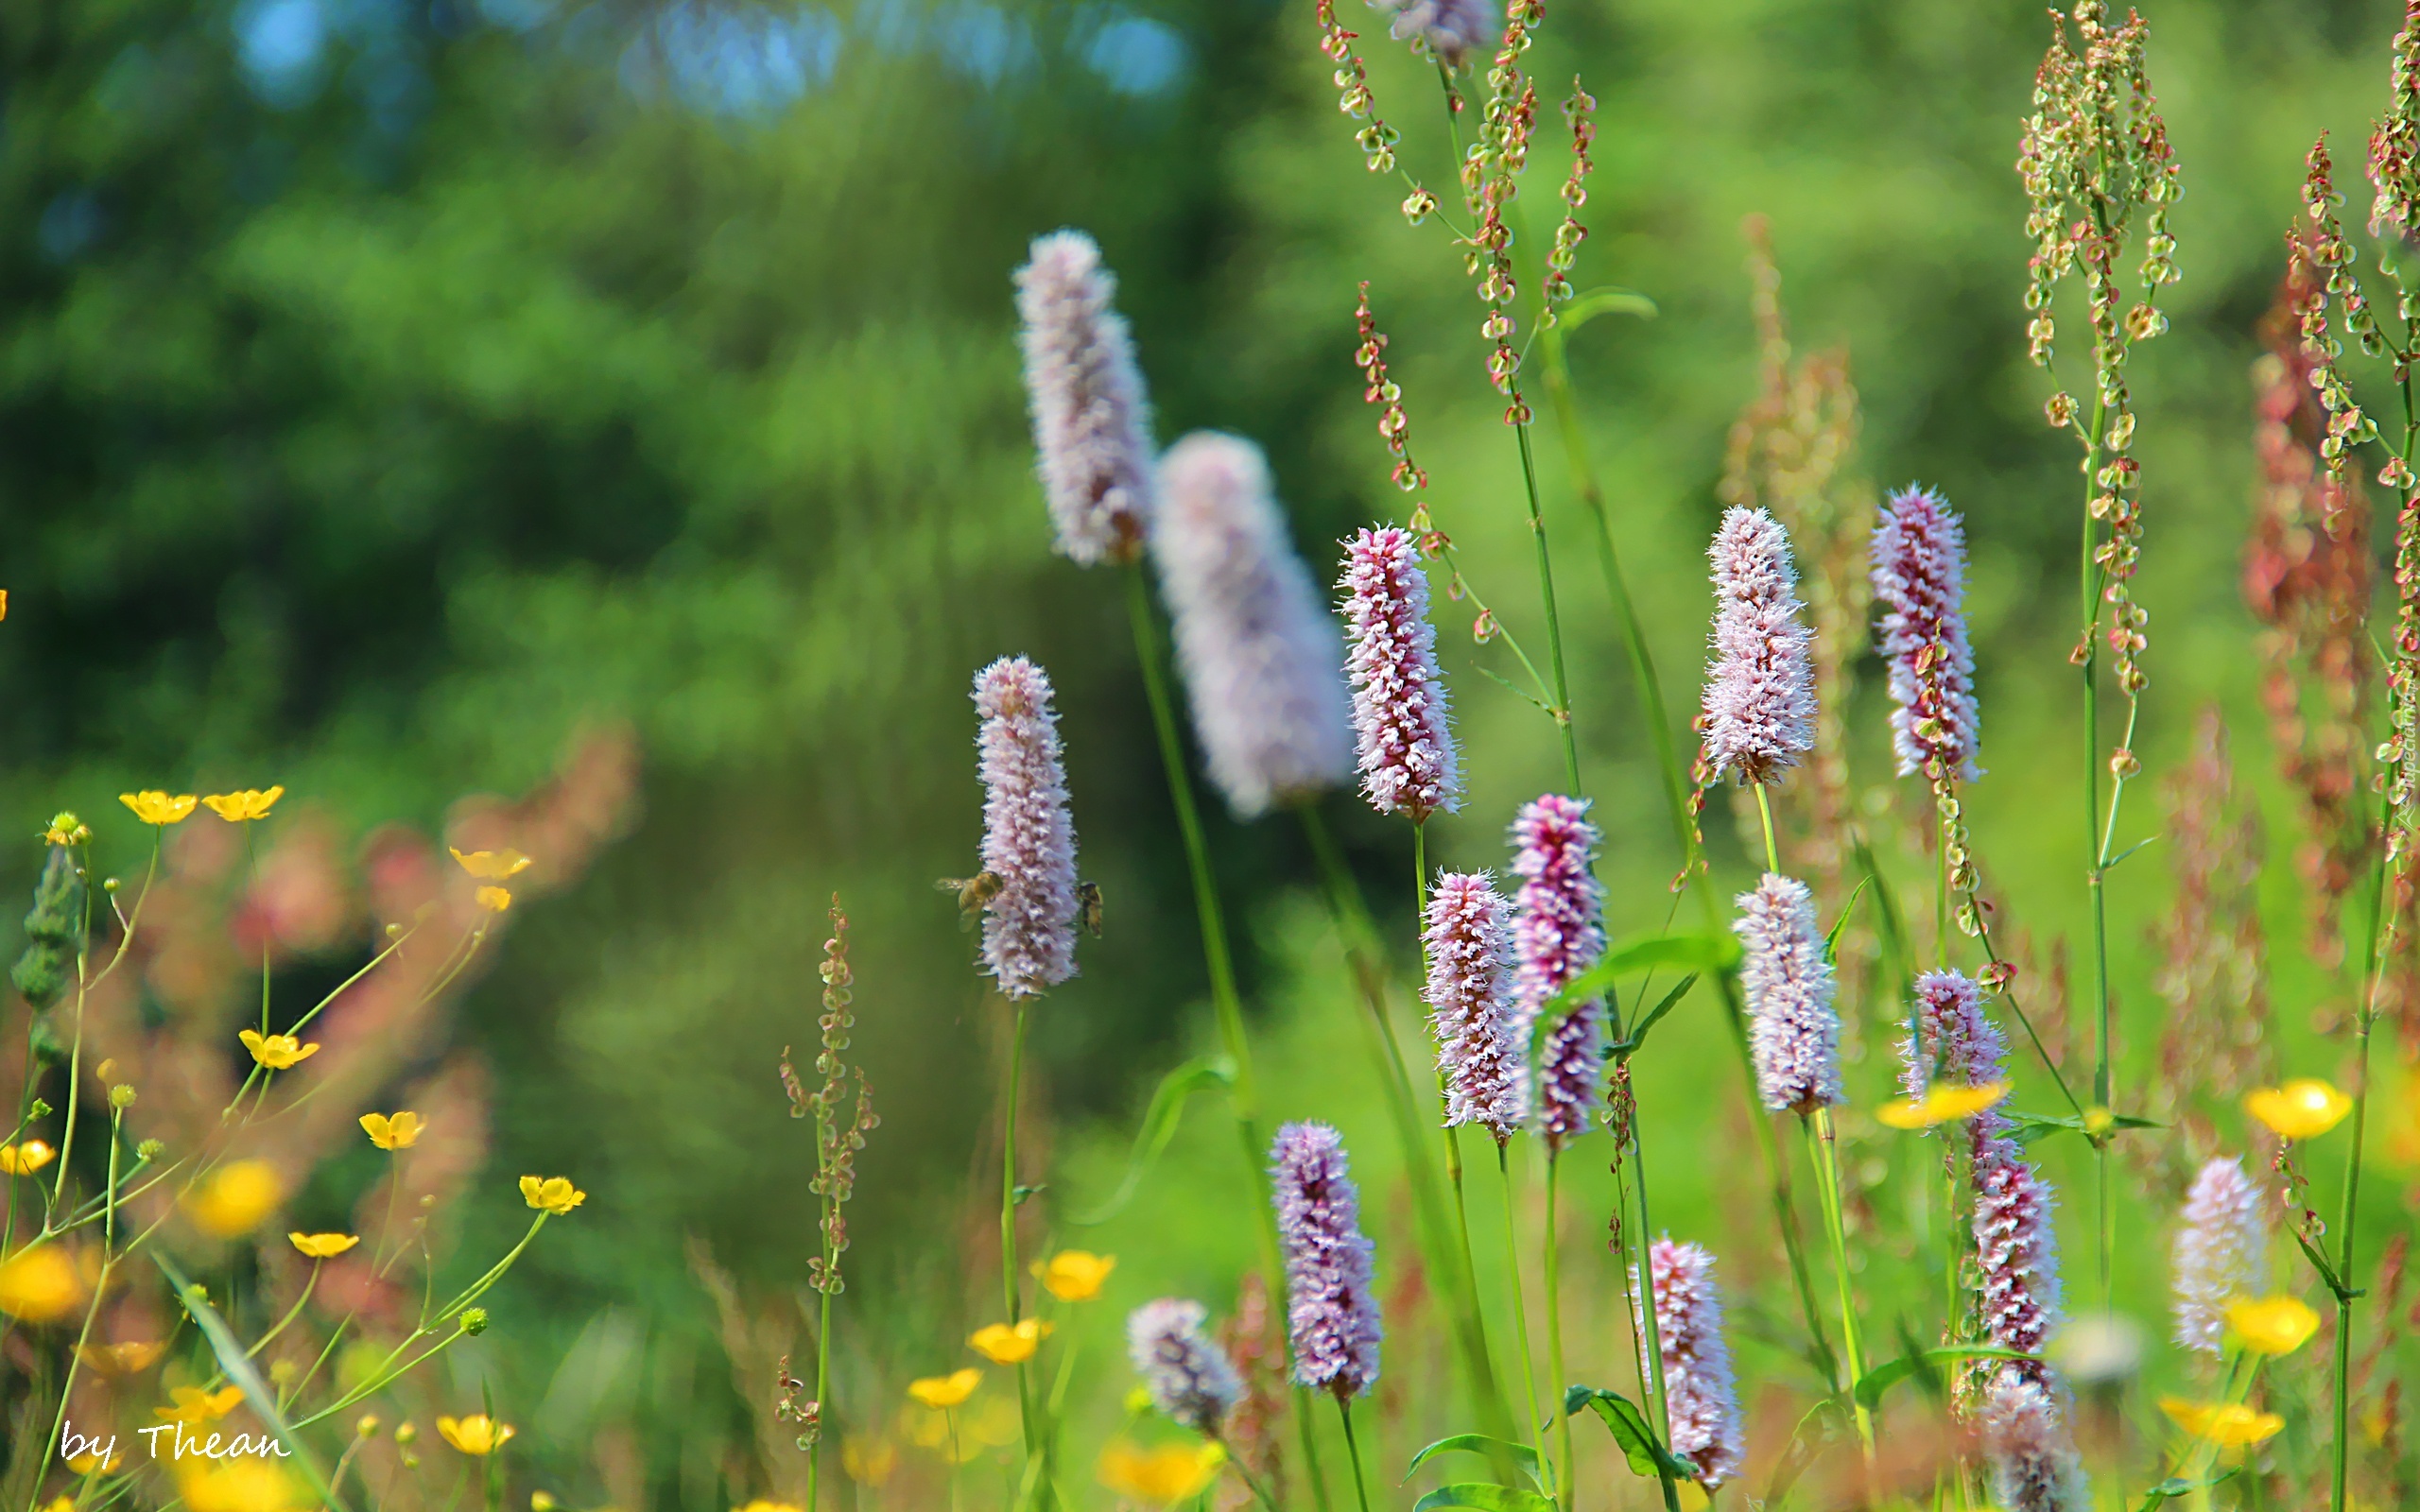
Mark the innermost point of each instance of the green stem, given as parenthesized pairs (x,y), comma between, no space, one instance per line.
(1243,1095)
(1765,816)
(1828,1167)
(1555,623)
(1556,1378)
(1410,1117)
(2088,579)
(1009,1220)
(1520,1307)
(1352,1453)
(822,1387)
(1650,1329)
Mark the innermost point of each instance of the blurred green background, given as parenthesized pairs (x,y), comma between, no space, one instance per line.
(391,389)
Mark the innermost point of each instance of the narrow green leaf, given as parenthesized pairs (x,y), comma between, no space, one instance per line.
(1883,1376)
(1689,950)
(1803,1449)
(2326,1271)
(1485,1495)
(1521,1454)
(1517,691)
(1637,1036)
(1603,302)
(232,1359)
(1832,940)
(1159,1127)
(1627,1424)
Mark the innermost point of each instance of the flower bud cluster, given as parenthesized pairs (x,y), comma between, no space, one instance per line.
(2323,260)
(1490,173)
(2094,152)
(1376,138)
(1394,427)
(2394,146)
(1567,236)
(837,1140)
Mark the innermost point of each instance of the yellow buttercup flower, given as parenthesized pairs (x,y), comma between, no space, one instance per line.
(493,865)
(66,830)
(2274,1325)
(323,1247)
(946,1391)
(25,1159)
(495,899)
(1002,1343)
(1940,1104)
(235,1199)
(868,1461)
(41,1285)
(2302,1109)
(1171,1473)
(1075,1275)
(154,807)
(246,807)
(278,1052)
(555,1195)
(193,1406)
(475,1435)
(92,1465)
(392,1131)
(2227,1424)
(242,1484)
(120,1359)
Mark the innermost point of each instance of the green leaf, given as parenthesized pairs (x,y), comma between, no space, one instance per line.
(1883,1376)
(1627,1047)
(238,1369)
(1521,1454)
(2176,1485)
(1604,302)
(2326,1270)
(1486,1496)
(1159,1127)
(1689,950)
(1647,1456)
(1832,940)
(1803,1449)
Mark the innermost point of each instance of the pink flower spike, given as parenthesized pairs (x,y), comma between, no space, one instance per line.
(1091,424)
(1399,711)
(1919,572)
(1028,837)
(1468,942)
(1760,701)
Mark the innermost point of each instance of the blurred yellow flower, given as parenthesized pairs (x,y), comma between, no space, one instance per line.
(278,1052)
(2275,1325)
(93,1465)
(41,1285)
(555,1195)
(65,829)
(475,1435)
(1940,1104)
(945,1391)
(323,1247)
(868,1461)
(495,899)
(154,807)
(493,865)
(193,1406)
(246,807)
(1075,1275)
(62,1503)
(25,1159)
(234,1199)
(760,1505)
(119,1359)
(1171,1473)
(1002,1343)
(242,1484)
(2302,1109)
(2227,1424)
(398,1131)
(541,1502)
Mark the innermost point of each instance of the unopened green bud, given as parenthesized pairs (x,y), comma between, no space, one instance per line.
(474,1320)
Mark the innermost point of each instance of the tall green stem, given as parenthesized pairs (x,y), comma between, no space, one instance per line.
(1449,1263)
(1520,1307)
(1827,1167)
(1352,1453)
(2095,874)
(1243,1094)
(1008,1222)
(1556,1378)
(1650,1329)
(1554,622)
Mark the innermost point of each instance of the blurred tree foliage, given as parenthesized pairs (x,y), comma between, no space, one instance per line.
(390,389)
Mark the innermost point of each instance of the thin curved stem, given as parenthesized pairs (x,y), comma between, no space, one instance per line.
(1352,1453)
(1827,1167)
(1520,1307)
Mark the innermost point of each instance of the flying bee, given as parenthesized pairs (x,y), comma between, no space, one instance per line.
(972,893)
(1088,906)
